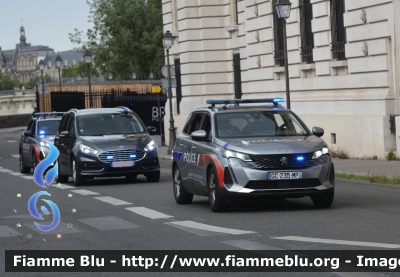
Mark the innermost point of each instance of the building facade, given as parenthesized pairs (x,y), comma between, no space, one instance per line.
(21,63)
(343,55)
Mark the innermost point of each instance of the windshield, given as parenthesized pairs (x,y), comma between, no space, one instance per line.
(109,124)
(259,124)
(48,127)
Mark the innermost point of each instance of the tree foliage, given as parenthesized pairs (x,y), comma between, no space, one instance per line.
(80,68)
(6,83)
(127,35)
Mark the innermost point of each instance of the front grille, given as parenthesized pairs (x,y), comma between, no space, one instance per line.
(283,184)
(283,161)
(121,155)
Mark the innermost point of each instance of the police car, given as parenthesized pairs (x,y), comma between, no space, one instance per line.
(33,146)
(236,152)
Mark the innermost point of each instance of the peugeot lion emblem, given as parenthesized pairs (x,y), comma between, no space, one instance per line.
(284,161)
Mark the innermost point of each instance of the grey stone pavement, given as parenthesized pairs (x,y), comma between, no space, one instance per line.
(357,166)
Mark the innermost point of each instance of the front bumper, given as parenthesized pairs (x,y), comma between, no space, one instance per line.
(91,166)
(248,183)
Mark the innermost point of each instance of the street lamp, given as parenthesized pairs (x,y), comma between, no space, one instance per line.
(110,76)
(134,76)
(151,75)
(168,40)
(283,11)
(41,67)
(78,77)
(58,65)
(88,60)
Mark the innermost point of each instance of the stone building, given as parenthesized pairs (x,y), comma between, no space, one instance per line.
(21,63)
(344,63)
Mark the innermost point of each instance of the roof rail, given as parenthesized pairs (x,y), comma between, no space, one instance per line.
(49,114)
(236,102)
(122,107)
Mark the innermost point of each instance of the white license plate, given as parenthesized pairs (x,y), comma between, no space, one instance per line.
(284,175)
(123,164)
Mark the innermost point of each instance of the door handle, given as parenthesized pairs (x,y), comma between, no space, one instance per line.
(182,145)
(193,147)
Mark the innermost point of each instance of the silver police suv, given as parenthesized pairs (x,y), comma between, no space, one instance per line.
(239,152)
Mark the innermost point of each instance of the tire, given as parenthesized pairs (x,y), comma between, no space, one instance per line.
(22,166)
(181,195)
(34,162)
(131,177)
(217,203)
(153,177)
(324,201)
(77,178)
(61,178)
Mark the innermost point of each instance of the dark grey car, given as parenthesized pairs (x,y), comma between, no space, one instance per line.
(251,152)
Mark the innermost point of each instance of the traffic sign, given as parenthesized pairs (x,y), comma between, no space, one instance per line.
(165,83)
(164,71)
(156,89)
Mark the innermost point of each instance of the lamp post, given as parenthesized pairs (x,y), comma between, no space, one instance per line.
(168,40)
(58,65)
(88,60)
(283,11)
(41,67)
(134,76)
(110,76)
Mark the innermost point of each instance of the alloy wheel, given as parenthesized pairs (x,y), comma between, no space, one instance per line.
(211,184)
(177,183)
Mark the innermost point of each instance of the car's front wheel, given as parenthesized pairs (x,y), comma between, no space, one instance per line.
(22,166)
(324,201)
(181,195)
(77,178)
(153,176)
(217,203)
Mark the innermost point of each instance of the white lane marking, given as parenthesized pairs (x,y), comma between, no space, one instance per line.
(251,245)
(27,177)
(343,242)
(84,192)
(17,174)
(63,186)
(148,213)
(5,170)
(206,227)
(112,200)
(15,156)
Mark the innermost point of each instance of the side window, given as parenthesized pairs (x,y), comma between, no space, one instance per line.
(64,123)
(187,125)
(71,127)
(33,127)
(29,126)
(195,123)
(207,126)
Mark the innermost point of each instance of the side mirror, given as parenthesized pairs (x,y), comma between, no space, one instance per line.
(151,129)
(319,132)
(199,135)
(64,134)
(27,133)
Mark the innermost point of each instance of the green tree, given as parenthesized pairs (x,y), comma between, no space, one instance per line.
(6,83)
(80,68)
(127,35)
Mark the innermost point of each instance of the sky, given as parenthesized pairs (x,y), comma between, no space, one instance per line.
(46,22)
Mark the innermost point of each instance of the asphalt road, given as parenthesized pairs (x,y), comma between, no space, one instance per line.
(114,214)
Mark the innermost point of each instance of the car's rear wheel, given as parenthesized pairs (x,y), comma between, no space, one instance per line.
(181,195)
(22,166)
(324,201)
(217,203)
(153,176)
(131,177)
(77,178)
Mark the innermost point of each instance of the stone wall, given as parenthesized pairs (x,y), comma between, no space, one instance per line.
(17,120)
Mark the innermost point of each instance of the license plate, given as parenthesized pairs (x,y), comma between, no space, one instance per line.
(284,175)
(123,164)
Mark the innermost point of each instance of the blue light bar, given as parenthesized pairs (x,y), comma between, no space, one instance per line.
(48,114)
(126,111)
(300,158)
(245,101)
(41,132)
(110,157)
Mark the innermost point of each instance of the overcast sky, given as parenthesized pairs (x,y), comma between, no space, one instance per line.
(46,22)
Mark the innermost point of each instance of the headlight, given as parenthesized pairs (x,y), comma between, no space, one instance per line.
(319,153)
(231,154)
(88,150)
(43,144)
(151,146)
